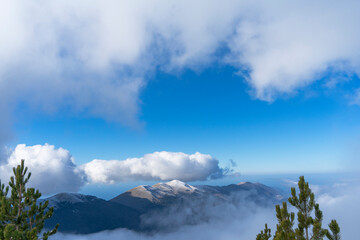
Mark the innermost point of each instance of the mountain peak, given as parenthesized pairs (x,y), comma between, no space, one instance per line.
(178,184)
(244,183)
(175,186)
(161,190)
(69,198)
(175,181)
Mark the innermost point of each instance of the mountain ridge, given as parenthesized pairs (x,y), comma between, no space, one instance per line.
(79,213)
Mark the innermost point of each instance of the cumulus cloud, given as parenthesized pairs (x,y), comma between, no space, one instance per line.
(155,166)
(287,45)
(94,58)
(53,170)
(84,56)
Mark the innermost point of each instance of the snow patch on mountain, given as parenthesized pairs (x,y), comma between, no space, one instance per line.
(176,187)
(162,190)
(69,198)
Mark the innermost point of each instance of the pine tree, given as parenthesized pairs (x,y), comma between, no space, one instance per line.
(21,216)
(264,235)
(318,231)
(309,218)
(3,208)
(335,231)
(305,204)
(284,228)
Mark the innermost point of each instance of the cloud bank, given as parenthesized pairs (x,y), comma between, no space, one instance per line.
(206,218)
(287,45)
(155,166)
(340,202)
(54,169)
(284,44)
(82,56)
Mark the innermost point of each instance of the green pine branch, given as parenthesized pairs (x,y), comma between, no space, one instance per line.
(309,218)
(21,216)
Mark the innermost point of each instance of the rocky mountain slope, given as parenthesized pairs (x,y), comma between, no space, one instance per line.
(83,214)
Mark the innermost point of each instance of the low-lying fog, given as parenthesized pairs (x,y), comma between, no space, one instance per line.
(338,200)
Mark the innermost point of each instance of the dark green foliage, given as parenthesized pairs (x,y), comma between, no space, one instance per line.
(335,231)
(309,218)
(21,217)
(264,235)
(305,204)
(284,228)
(3,207)
(318,231)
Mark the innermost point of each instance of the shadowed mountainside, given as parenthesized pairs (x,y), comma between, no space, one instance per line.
(85,214)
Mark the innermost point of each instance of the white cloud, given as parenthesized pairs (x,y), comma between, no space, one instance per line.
(238,226)
(53,170)
(287,45)
(154,166)
(341,203)
(93,57)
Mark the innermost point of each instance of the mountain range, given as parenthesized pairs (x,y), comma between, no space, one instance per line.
(83,214)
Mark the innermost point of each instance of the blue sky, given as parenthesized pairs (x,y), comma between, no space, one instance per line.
(116,92)
(211,111)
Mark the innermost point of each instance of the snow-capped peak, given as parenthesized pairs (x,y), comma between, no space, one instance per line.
(161,190)
(179,186)
(244,183)
(68,197)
